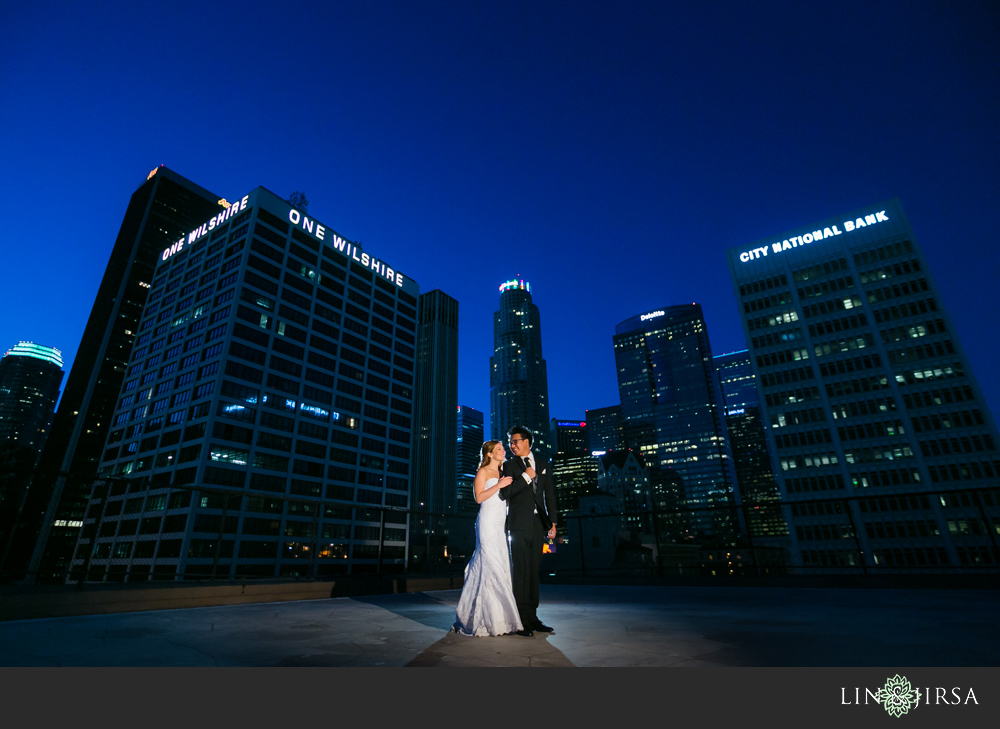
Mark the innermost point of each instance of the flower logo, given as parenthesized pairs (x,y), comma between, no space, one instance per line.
(897,696)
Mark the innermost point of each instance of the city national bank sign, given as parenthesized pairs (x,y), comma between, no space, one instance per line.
(317,231)
(801,240)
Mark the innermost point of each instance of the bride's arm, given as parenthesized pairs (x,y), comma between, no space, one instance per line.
(483,493)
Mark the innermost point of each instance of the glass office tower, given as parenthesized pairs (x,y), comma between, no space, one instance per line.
(30,375)
(519,385)
(884,443)
(469,427)
(273,359)
(748,441)
(604,429)
(672,415)
(434,435)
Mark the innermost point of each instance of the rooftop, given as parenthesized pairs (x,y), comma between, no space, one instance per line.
(604,625)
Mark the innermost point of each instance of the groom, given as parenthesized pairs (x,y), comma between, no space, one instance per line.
(531,515)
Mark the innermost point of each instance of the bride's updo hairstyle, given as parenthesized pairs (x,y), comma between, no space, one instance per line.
(488,446)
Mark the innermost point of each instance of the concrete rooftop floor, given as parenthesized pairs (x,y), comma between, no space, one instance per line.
(594,626)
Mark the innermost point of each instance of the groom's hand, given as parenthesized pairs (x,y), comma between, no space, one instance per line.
(552,532)
(530,472)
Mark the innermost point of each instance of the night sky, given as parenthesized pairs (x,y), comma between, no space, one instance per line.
(609,153)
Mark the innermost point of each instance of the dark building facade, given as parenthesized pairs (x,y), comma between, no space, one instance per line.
(265,421)
(604,429)
(758,490)
(519,386)
(672,415)
(883,441)
(435,402)
(568,436)
(164,207)
(624,475)
(469,427)
(30,376)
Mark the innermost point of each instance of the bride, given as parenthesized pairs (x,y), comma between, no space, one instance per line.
(487,605)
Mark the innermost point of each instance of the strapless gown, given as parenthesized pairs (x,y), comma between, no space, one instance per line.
(487,605)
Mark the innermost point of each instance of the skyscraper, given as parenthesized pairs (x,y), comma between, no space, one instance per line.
(574,470)
(672,414)
(165,207)
(435,400)
(748,441)
(604,429)
(274,359)
(469,426)
(568,436)
(519,386)
(882,436)
(30,376)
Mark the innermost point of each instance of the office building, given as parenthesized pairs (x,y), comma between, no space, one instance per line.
(672,415)
(604,429)
(883,440)
(469,426)
(758,490)
(268,401)
(30,375)
(574,474)
(568,436)
(624,475)
(435,401)
(162,209)
(519,389)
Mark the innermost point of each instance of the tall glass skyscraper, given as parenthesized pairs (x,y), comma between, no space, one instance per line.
(273,358)
(748,441)
(672,414)
(435,400)
(519,385)
(469,426)
(165,207)
(882,436)
(30,376)
(604,429)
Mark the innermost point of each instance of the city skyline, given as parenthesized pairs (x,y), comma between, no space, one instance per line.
(613,158)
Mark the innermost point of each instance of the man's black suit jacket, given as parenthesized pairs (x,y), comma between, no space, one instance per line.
(521,502)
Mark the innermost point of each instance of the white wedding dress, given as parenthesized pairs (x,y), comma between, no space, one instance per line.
(487,605)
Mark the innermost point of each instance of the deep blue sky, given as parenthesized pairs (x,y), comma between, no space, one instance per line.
(609,153)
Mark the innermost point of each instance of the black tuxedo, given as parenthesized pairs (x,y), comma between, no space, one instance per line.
(527,530)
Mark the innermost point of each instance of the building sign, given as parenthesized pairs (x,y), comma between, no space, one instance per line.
(563,424)
(515,284)
(350,250)
(652,315)
(317,231)
(816,235)
(212,224)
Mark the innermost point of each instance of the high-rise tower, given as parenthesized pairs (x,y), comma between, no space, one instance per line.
(881,433)
(165,207)
(435,401)
(469,428)
(286,370)
(672,414)
(752,463)
(30,376)
(519,386)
